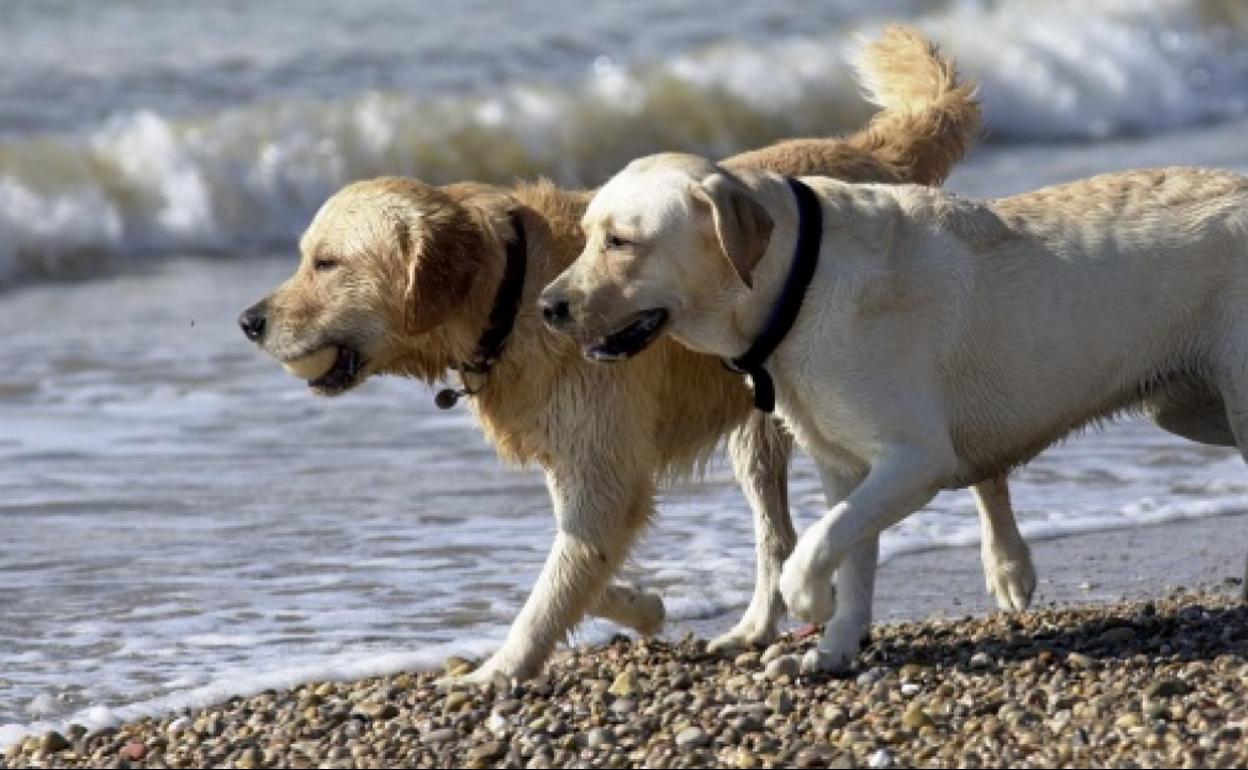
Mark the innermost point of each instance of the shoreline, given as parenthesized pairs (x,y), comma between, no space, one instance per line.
(938,642)
(930,602)
(1095,566)
(1157,683)
(1098,565)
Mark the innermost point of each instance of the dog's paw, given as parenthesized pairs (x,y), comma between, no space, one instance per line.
(475,680)
(836,651)
(491,673)
(807,596)
(817,661)
(650,615)
(746,634)
(1011,581)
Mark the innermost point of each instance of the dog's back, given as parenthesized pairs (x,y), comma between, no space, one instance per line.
(1074,301)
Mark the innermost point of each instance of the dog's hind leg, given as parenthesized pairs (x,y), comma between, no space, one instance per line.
(1233,385)
(760,451)
(639,610)
(1008,570)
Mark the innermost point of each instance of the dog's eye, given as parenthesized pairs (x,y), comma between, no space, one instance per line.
(615,242)
(325,264)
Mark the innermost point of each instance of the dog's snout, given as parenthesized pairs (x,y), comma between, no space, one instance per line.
(253,321)
(556,311)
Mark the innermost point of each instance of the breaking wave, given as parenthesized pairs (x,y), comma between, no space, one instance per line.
(248,178)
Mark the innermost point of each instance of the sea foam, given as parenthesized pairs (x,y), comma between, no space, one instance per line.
(249,178)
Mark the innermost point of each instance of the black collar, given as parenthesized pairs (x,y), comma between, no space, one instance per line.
(784,313)
(502,318)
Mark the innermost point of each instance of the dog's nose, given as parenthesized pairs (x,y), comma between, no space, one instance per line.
(253,321)
(556,311)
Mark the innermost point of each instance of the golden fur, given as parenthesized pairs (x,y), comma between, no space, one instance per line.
(415,269)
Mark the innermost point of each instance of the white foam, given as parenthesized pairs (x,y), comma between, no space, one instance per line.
(247,681)
(250,177)
(1064,69)
(39,231)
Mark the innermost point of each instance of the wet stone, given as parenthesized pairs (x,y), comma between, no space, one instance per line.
(692,738)
(784,667)
(1166,688)
(626,684)
(52,742)
(488,751)
(1116,636)
(441,735)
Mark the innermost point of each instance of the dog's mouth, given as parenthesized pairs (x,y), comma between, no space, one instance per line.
(631,339)
(343,375)
(329,376)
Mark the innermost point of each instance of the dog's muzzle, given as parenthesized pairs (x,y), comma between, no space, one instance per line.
(630,340)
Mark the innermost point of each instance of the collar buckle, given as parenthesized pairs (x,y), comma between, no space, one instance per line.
(502,318)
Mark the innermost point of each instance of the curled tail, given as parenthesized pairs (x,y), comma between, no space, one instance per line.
(928,118)
(927,121)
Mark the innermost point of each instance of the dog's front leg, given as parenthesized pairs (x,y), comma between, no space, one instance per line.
(900,481)
(850,625)
(855,588)
(599,508)
(760,451)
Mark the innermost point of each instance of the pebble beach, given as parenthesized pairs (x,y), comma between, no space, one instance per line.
(1148,683)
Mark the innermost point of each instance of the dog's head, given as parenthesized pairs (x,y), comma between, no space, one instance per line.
(664,239)
(387,266)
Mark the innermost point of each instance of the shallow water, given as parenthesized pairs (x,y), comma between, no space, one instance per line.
(181,521)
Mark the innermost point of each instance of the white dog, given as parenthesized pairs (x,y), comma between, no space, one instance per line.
(940,342)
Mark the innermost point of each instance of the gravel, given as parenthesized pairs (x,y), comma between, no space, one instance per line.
(1146,684)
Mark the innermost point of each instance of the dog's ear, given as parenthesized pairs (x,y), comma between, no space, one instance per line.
(443,255)
(742,225)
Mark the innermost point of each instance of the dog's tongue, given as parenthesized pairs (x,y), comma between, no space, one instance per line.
(313,365)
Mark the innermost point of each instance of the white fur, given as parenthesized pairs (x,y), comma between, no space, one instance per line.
(942,341)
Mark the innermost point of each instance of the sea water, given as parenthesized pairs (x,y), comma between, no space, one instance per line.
(181,521)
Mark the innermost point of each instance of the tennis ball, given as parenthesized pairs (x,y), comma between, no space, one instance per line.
(313,365)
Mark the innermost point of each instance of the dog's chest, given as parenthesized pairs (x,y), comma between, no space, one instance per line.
(822,423)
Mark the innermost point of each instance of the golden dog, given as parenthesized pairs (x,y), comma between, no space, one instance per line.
(399,277)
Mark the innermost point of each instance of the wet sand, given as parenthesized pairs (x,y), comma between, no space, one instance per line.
(1136,563)
(1090,567)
